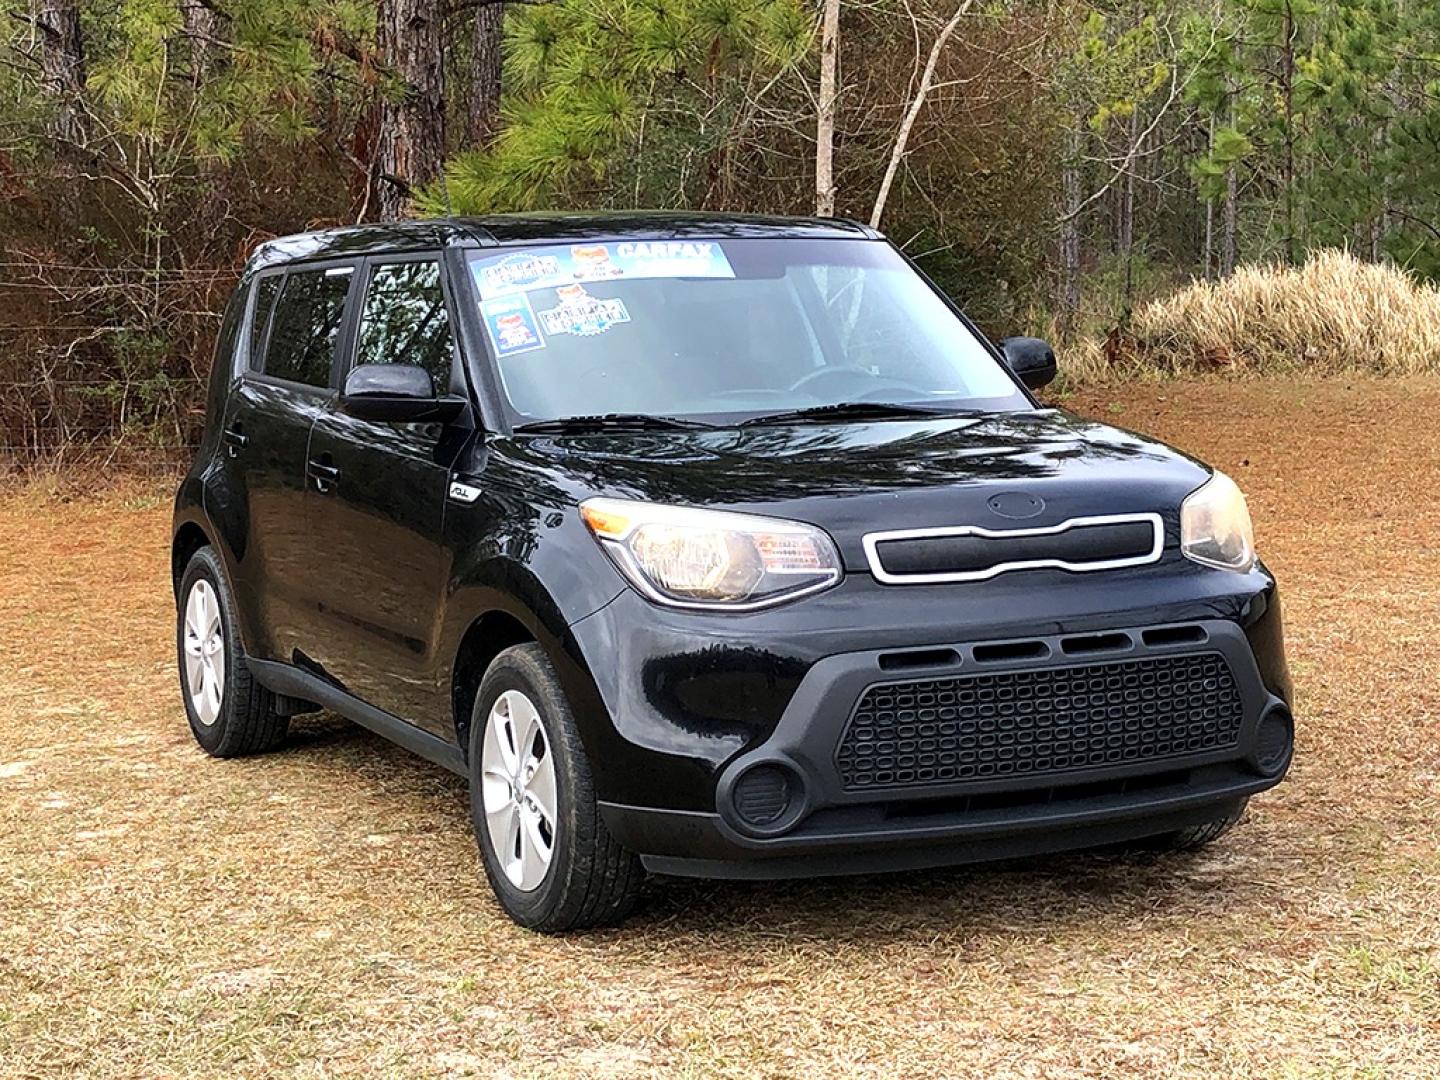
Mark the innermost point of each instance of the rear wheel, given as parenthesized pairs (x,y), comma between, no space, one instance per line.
(230,713)
(548,856)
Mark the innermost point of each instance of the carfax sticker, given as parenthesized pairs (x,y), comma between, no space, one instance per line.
(673,258)
(580,313)
(510,321)
(552,267)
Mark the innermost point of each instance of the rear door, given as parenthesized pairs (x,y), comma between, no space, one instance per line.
(378,500)
(288,375)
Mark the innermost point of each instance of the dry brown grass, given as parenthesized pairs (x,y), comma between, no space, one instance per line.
(1335,314)
(319,912)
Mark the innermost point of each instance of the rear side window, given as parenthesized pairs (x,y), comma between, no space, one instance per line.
(306,324)
(266,289)
(403,320)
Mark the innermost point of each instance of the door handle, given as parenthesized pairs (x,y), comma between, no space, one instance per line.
(236,439)
(323,473)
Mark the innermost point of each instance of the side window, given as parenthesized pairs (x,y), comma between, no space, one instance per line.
(306,324)
(403,320)
(266,289)
(230,328)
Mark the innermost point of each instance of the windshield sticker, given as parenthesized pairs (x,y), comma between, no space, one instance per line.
(592,262)
(510,321)
(519,273)
(551,267)
(580,313)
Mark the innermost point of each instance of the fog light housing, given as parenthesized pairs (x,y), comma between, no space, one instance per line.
(765,798)
(1274,741)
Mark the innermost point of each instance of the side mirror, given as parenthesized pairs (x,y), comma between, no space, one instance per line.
(401,393)
(1031,359)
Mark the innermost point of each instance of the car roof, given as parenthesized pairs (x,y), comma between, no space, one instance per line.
(505,230)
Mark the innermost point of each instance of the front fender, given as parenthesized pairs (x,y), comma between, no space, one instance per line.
(541,569)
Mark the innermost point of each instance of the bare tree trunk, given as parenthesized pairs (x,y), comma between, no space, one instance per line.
(202,26)
(902,137)
(1070,181)
(1228,253)
(1209,249)
(482,88)
(1208,259)
(1126,244)
(410,148)
(1287,95)
(825,118)
(62,63)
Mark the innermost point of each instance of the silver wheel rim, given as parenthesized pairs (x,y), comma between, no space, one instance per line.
(204,652)
(518,790)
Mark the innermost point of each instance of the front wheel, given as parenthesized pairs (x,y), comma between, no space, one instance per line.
(1197,836)
(548,856)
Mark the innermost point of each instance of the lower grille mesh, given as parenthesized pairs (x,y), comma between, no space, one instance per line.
(1039,722)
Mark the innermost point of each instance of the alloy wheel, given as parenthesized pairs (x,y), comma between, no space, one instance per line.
(204,652)
(518,790)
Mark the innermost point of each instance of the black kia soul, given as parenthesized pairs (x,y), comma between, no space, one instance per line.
(713,546)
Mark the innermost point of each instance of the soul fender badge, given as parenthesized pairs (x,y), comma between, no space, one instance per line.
(463,493)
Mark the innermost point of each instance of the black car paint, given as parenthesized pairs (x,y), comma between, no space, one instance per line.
(359,583)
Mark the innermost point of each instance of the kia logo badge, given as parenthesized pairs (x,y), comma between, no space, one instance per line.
(1016,504)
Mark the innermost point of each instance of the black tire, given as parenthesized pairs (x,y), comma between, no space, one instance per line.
(247,722)
(1198,836)
(591,880)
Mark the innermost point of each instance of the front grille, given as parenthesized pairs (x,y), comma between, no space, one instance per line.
(974,553)
(1039,722)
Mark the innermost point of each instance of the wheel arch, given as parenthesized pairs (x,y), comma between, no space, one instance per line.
(190,537)
(489,634)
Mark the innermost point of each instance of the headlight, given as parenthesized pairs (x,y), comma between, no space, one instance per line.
(706,558)
(1215,525)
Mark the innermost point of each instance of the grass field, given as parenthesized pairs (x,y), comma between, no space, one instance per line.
(320,911)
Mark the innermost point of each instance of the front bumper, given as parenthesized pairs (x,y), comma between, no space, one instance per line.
(769,707)
(691,844)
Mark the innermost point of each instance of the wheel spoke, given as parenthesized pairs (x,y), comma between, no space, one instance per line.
(535,852)
(494,790)
(212,611)
(201,596)
(513,853)
(194,674)
(208,700)
(528,722)
(498,823)
(541,788)
(497,752)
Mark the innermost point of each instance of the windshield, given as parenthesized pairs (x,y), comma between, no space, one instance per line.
(726,330)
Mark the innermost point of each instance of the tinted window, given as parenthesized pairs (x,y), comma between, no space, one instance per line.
(403,320)
(266,289)
(229,328)
(307,321)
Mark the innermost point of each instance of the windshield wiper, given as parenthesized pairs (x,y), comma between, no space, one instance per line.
(850,410)
(579,425)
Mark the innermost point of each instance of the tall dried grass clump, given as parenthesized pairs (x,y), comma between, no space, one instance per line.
(1333,314)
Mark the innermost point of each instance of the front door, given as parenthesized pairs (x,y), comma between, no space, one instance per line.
(284,381)
(377,501)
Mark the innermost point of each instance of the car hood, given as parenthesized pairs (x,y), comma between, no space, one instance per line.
(856,478)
